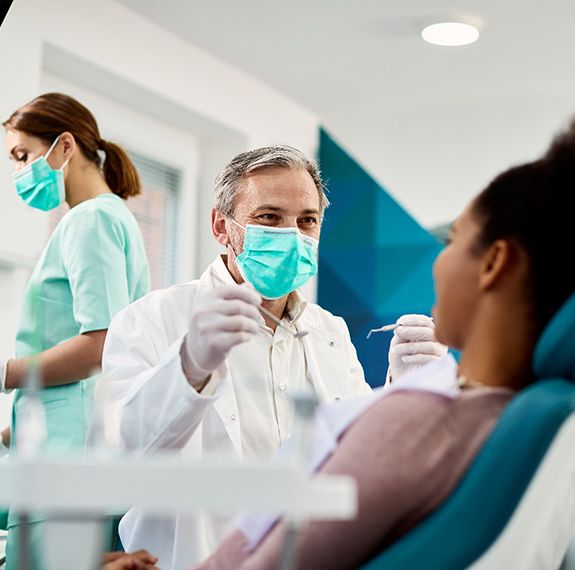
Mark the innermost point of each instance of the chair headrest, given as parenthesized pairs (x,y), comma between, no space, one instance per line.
(554,355)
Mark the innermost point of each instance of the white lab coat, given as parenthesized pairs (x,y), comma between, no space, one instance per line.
(159,410)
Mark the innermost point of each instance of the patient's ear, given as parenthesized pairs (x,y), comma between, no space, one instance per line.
(497,260)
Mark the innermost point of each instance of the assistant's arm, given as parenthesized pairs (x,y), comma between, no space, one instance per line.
(93,255)
(64,363)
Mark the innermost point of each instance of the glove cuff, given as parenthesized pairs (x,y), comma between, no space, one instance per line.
(197,376)
(3,371)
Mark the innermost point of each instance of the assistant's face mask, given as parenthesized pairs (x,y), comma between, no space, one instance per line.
(276,261)
(39,185)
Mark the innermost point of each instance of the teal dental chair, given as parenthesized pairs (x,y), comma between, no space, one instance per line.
(515,507)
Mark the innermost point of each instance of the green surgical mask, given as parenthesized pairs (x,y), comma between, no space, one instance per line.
(276,261)
(39,185)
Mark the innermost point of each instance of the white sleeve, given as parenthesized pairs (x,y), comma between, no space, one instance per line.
(157,407)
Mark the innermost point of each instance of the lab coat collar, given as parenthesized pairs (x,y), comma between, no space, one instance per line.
(219,271)
(221,275)
(296,305)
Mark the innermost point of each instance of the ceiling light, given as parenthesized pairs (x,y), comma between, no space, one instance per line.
(450,34)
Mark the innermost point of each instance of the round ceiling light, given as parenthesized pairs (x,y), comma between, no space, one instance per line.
(450,34)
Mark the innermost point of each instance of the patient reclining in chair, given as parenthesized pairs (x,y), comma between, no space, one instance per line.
(498,282)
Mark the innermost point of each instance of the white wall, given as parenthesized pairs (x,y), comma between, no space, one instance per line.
(117,60)
(434,156)
(151,138)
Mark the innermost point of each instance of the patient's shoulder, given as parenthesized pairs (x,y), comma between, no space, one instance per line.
(420,445)
(409,419)
(428,408)
(426,431)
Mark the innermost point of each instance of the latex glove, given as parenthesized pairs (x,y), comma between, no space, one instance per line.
(3,367)
(3,371)
(221,320)
(413,345)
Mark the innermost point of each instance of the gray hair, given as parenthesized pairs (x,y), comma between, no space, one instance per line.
(229,181)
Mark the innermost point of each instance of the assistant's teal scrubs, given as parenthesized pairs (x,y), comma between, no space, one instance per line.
(93,266)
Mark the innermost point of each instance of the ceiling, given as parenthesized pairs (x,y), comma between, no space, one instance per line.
(362,67)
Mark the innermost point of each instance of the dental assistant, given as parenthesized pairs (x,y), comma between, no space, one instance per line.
(93,265)
(196,369)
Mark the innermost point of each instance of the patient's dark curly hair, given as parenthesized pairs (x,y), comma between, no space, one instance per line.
(534,205)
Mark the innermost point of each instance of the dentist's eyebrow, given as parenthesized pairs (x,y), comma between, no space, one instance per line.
(269,207)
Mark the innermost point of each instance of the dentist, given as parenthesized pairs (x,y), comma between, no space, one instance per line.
(196,368)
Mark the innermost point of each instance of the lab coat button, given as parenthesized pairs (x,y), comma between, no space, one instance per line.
(337,398)
(331,343)
(233,417)
(282,386)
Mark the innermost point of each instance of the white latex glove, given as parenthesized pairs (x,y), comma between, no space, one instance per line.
(3,367)
(221,320)
(413,345)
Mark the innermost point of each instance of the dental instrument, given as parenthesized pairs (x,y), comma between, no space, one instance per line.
(385,328)
(266,313)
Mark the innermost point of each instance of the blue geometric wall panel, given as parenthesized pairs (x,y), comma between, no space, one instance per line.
(374,260)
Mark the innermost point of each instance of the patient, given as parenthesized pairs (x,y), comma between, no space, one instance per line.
(498,282)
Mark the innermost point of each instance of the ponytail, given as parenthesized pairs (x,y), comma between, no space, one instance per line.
(51,114)
(119,171)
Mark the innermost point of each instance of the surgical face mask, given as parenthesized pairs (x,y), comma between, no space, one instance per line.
(276,261)
(39,185)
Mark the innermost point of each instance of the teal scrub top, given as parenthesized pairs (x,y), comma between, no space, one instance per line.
(93,266)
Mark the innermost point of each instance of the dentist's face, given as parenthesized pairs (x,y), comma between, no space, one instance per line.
(456,276)
(281,198)
(276,197)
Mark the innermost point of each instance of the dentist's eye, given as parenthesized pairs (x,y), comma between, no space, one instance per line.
(268,218)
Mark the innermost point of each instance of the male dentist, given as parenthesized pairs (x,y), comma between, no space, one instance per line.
(196,368)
